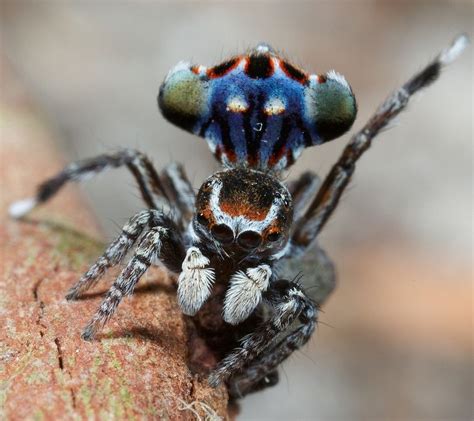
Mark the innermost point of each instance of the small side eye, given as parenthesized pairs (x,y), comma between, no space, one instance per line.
(222,233)
(274,236)
(202,219)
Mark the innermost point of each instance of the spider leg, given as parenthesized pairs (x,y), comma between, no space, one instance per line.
(117,250)
(179,190)
(302,191)
(257,357)
(140,166)
(263,372)
(244,384)
(336,181)
(160,242)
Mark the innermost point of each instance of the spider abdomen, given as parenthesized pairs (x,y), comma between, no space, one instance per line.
(257,110)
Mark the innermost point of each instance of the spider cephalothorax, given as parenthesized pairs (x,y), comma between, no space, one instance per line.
(231,244)
(243,211)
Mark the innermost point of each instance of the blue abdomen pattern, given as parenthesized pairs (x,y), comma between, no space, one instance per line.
(257,110)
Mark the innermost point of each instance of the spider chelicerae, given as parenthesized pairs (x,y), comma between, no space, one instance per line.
(231,244)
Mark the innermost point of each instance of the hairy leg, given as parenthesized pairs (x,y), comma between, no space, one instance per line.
(327,198)
(160,242)
(258,355)
(262,372)
(117,250)
(302,192)
(140,166)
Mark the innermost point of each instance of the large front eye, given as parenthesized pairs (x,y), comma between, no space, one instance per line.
(249,240)
(222,233)
(330,105)
(183,97)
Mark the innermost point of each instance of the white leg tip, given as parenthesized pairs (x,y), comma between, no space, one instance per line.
(22,207)
(455,49)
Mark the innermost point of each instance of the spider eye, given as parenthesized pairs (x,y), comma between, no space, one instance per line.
(202,219)
(330,105)
(183,97)
(249,240)
(222,233)
(274,236)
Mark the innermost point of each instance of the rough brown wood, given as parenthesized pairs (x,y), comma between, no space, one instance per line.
(138,367)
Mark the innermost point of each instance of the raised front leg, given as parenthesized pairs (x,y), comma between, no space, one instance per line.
(261,352)
(335,183)
(140,166)
(302,192)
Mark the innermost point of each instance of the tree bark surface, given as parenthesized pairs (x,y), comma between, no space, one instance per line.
(138,366)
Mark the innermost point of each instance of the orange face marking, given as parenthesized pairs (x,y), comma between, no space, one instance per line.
(242,208)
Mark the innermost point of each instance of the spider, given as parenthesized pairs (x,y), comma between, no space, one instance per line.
(231,244)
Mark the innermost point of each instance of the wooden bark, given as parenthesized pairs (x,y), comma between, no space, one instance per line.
(138,366)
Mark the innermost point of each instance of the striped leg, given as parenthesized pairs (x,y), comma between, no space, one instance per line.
(158,242)
(289,303)
(117,250)
(140,166)
(263,373)
(179,191)
(327,198)
(302,192)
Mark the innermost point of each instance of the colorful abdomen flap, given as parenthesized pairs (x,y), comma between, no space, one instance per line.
(257,110)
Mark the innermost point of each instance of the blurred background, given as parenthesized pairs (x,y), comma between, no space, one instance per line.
(395,340)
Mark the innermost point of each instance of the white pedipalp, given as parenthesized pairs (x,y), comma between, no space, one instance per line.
(194,282)
(245,293)
(20,208)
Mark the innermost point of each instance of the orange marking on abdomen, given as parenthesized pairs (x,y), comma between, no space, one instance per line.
(276,156)
(293,72)
(223,68)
